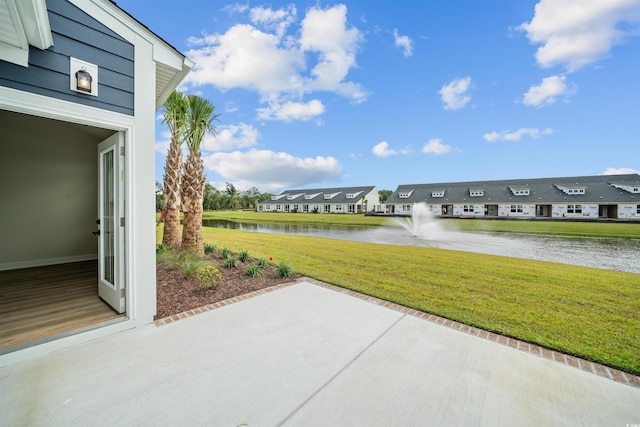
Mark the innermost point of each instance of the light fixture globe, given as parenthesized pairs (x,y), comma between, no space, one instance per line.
(84,80)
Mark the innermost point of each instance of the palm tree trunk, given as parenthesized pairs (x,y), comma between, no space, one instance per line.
(192,198)
(171,235)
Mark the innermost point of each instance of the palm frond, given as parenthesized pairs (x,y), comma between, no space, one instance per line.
(200,118)
(175,115)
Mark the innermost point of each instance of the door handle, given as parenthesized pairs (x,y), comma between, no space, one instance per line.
(96,233)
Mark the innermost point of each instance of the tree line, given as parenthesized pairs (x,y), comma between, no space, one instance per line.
(228,199)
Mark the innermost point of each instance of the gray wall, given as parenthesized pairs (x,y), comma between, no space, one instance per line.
(76,34)
(48,191)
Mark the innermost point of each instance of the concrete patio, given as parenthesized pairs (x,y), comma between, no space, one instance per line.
(306,355)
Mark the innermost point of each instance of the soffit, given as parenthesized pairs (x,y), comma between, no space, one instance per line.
(11,29)
(23,23)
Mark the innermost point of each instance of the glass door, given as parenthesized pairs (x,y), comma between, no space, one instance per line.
(111,222)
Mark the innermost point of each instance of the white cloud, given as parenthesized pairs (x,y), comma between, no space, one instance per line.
(289,111)
(271,170)
(575,33)
(230,137)
(162,146)
(620,171)
(455,95)
(547,91)
(407,150)
(230,107)
(403,42)
(245,57)
(236,8)
(435,146)
(271,55)
(533,133)
(382,149)
(325,32)
(277,20)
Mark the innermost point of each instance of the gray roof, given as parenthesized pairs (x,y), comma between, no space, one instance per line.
(597,189)
(316,195)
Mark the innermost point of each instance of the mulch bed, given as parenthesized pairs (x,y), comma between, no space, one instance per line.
(177,293)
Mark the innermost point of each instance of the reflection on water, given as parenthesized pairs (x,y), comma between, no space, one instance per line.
(613,254)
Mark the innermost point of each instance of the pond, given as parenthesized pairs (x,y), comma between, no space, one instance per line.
(608,253)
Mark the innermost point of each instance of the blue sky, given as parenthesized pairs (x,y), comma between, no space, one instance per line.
(315,94)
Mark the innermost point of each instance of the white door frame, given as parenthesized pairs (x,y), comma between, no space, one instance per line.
(42,106)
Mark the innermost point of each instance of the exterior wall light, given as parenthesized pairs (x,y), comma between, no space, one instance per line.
(83,77)
(84,80)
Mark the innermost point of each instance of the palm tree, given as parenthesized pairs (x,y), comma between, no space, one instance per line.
(199,122)
(175,112)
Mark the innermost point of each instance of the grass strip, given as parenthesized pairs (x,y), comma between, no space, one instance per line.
(588,312)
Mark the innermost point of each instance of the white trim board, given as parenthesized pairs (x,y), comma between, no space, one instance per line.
(46,261)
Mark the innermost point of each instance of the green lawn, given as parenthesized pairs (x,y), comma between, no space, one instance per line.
(591,313)
(559,228)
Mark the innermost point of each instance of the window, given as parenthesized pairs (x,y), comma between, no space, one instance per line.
(352,208)
(638,209)
(305,208)
(468,208)
(277,207)
(574,209)
(327,208)
(404,194)
(437,193)
(295,208)
(516,208)
(339,208)
(286,208)
(406,208)
(519,191)
(476,193)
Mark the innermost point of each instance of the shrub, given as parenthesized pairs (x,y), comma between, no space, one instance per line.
(209,248)
(284,270)
(175,260)
(160,249)
(191,265)
(243,256)
(253,270)
(230,262)
(226,253)
(208,276)
(261,262)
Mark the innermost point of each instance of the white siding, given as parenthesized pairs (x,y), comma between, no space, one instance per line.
(458,210)
(435,209)
(521,210)
(373,200)
(569,211)
(628,211)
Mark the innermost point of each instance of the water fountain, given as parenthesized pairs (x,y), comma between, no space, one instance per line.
(421,224)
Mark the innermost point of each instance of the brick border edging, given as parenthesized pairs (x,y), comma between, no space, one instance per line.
(533,349)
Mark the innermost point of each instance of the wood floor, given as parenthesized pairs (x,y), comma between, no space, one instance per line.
(43,301)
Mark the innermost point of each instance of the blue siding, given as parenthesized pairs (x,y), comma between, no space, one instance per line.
(76,34)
